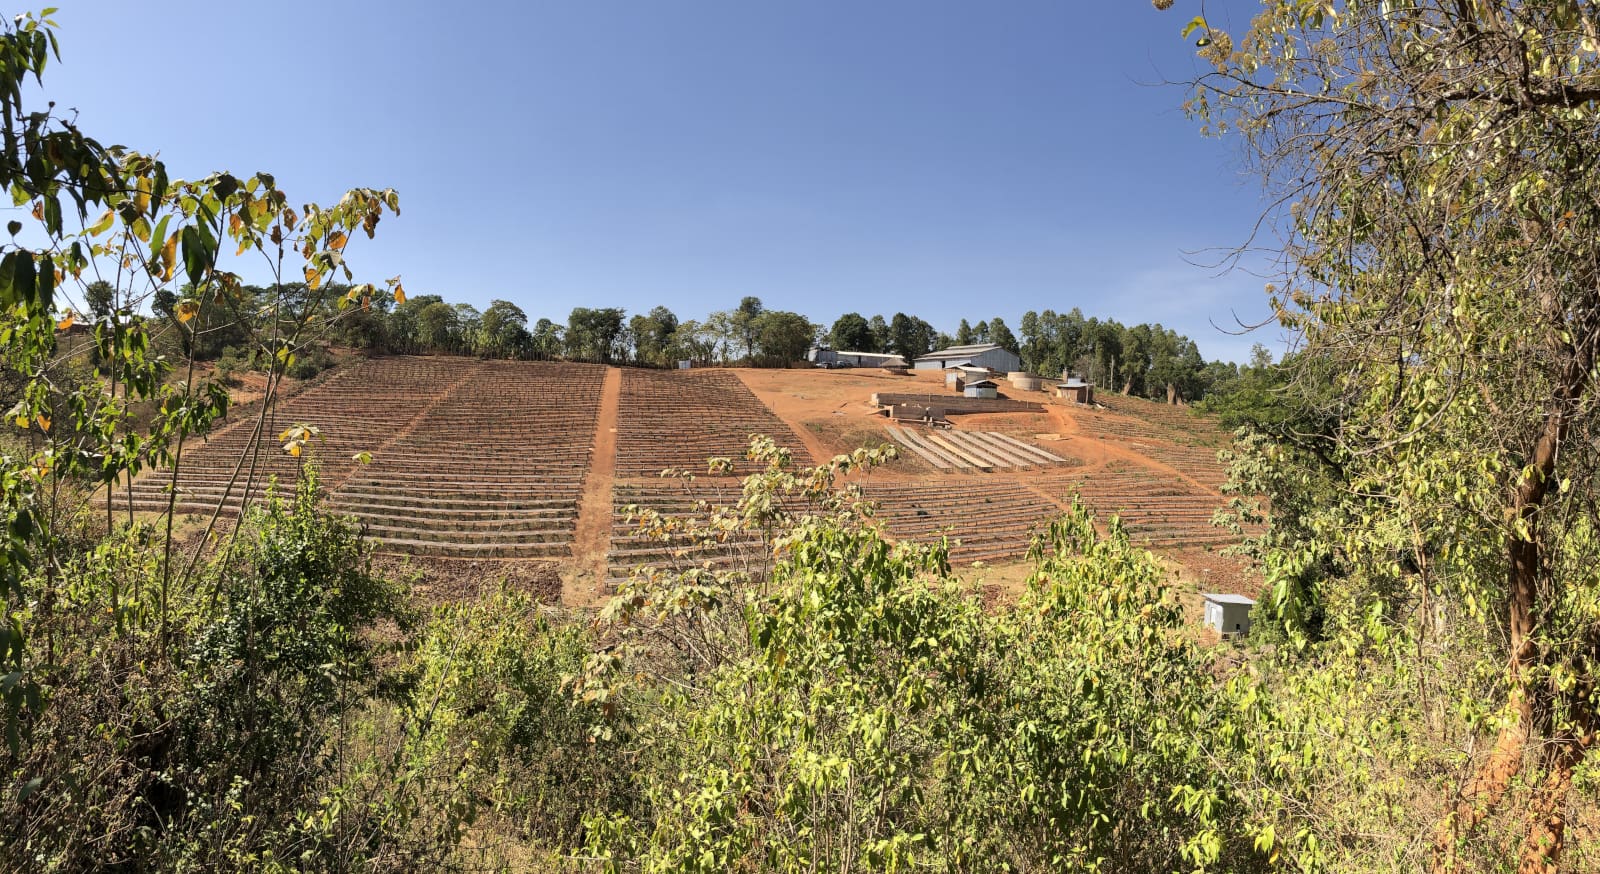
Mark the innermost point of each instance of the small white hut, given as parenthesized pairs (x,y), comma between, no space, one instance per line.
(1228,614)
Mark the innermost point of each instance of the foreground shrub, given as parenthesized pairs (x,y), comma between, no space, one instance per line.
(198,740)
(494,730)
(881,719)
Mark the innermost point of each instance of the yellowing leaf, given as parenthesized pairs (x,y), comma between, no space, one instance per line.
(313,278)
(235,223)
(337,241)
(44,423)
(142,199)
(66,322)
(294,449)
(187,310)
(102,224)
(399,293)
(169,257)
(21,421)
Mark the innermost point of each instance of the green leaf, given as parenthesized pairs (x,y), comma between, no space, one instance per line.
(46,293)
(225,186)
(29,788)
(194,254)
(8,272)
(23,279)
(52,214)
(158,187)
(159,236)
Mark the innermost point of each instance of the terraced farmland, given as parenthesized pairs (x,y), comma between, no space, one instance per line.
(1158,509)
(1165,434)
(506,460)
(678,419)
(986,518)
(469,459)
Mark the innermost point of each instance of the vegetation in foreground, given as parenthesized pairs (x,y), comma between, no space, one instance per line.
(1422,695)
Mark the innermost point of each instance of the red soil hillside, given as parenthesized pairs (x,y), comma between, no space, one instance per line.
(533,464)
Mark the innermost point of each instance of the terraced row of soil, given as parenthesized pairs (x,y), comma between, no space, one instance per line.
(494,468)
(1165,434)
(1157,509)
(985,518)
(680,418)
(468,459)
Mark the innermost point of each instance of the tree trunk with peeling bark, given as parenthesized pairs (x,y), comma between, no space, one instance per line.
(1434,163)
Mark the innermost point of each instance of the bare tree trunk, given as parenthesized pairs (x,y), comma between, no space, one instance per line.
(1547,820)
(1481,794)
(1488,785)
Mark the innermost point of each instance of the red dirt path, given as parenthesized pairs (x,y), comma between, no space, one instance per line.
(585,579)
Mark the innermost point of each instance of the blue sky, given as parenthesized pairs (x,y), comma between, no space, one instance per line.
(943,159)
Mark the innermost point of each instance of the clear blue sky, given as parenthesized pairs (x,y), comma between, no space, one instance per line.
(942,159)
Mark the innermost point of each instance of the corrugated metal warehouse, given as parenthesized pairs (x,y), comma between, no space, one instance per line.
(979,355)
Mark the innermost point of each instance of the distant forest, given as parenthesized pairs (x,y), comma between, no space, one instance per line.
(1144,360)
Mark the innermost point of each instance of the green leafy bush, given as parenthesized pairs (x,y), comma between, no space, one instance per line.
(493,717)
(198,741)
(882,719)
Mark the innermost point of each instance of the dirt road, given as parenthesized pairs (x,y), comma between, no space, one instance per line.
(584,582)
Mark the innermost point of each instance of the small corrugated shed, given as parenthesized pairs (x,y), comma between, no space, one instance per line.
(983,388)
(1228,614)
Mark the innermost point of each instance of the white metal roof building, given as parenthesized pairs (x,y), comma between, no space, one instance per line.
(979,355)
(859,359)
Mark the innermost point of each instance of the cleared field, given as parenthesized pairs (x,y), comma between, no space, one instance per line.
(1156,508)
(495,467)
(474,460)
(1166,434)
(680,418)
(358,409)
(469,459)
(988,518)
